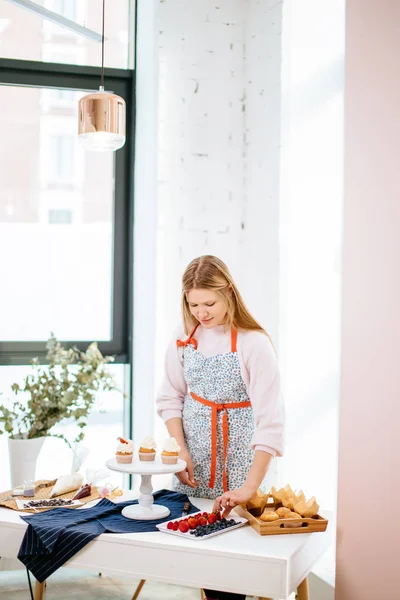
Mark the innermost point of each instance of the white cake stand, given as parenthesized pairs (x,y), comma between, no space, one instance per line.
(146,509)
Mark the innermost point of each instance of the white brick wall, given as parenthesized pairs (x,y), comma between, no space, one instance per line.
(219,147)
(216,159)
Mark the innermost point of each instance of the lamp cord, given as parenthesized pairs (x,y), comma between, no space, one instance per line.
(102,48)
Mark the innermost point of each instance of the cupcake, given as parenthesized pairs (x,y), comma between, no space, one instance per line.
(147,450)
(169,455)
(124,452)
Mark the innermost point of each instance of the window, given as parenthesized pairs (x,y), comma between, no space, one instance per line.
(55,99)
(62,158)
(77,276)
(105,424)
(63,217)
(66,8)
(27,35)
(64,239)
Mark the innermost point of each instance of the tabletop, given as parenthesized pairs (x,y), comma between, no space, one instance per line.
(242,562)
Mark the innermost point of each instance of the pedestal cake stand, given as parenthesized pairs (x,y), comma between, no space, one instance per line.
(146,509)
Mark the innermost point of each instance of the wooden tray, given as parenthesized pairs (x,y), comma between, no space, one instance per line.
(280,526)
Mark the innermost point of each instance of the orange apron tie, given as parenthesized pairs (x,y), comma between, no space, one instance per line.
(191,340)
(225,433)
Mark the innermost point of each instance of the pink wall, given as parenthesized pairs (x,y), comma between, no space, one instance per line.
(368,546)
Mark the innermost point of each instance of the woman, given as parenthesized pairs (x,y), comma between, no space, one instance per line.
(220,397)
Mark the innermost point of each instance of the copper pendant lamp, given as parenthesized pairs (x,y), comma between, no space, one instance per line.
(101,125)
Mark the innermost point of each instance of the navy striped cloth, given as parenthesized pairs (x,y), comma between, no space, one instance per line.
(54,536)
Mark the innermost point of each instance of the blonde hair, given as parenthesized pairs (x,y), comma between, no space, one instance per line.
(210,273)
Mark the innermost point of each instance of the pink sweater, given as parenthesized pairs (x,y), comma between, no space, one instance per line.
(259,369)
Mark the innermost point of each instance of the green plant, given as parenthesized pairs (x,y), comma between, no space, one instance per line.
(65,389)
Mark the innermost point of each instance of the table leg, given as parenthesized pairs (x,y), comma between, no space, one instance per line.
(138,589)
(265,598)
(39,590)
(302,590)
(202,595)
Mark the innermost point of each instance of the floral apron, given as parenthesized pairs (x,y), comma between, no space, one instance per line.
(218,421)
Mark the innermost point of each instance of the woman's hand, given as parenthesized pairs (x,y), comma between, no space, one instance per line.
(230,499)
(187,476)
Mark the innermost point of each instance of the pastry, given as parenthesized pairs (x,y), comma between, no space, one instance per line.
(289,502)
(300,496)
(66,483)
(170,453)
(307,509)
(257,503)
(147,450)
(269,515)
(282,494)
(283,512)
(124,452)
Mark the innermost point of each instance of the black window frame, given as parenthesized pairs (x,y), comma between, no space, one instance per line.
(15,72)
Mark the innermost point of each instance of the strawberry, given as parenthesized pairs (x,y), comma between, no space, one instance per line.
(175,526)
(183,527)
(205,514)
(192,522)
(122,440)
(218,515)
(212,518)
(170,525)
(203,521)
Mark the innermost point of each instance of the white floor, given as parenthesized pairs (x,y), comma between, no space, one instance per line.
(68,584)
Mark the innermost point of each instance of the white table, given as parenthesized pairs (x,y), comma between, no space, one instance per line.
(241,561)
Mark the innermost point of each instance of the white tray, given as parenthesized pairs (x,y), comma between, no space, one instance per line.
(22,504)
(240,521)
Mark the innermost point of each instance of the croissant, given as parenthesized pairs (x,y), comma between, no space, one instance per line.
(307,509)
(269,515)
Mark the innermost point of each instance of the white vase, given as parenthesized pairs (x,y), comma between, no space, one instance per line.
(23,455)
